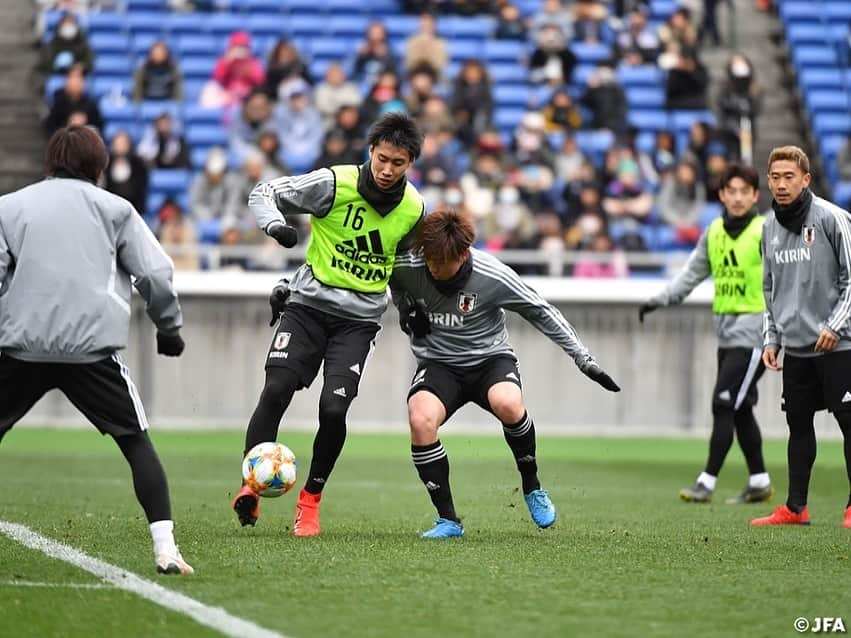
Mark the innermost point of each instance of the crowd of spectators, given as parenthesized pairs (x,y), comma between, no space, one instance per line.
(530,188)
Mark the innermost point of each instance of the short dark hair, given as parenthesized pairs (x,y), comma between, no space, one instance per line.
(76,151)
(397,129)
(744,172)
(444,235)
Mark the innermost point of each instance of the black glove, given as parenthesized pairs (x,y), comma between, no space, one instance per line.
(169,345)
(594,372)
(285,235)
(646,308)
(413,317)
(278,300)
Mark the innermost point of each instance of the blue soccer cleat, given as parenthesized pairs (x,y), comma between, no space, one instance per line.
(541,508)
(444,528)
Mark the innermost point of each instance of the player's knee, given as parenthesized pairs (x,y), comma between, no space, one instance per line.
(507,408)
(722,409)
(333,409)
(424,424)
(280,385)
(799,421)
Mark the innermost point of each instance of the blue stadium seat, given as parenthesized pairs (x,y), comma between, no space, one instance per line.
(651,120)
(806,57)
(330,48)
(467,27)
(125,114)
(197,67)
(197,114)
(349,26)
(528,8)
(828,102)
(198,45)
(192,88)
(112,65)
(53,84)
(133,6)
(401,26)
(591,53)
(151,109)
(683,120)
(502,73)
(223,24)
(581,73)
(351,7)
(594,143)
(259,6)
(209,231)
(831,124)
(646,75)
(836,12)
(512,95)
(505,51)
(147,22)
(140,44)
(178,24)
(105,22)
(709,213)
(306,25)
(507,118)
(302,7)
(641,97)
(842,194)
(798,12)
(829,146)
(461,50)
(820,79)
(99,86)
(318,67)
(110,130)
(206,135)
(661,9)
(110,43)
(169,180)
(266,25)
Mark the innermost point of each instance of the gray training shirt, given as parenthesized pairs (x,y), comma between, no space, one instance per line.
(468,327)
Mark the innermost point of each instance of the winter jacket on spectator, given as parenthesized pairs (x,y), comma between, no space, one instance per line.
(68,47)
(72,97)
(158,78)
(238,72)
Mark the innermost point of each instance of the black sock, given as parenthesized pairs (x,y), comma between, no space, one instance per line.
(844,420)
(281,384)
(800,455)
(721,440)
(520,437)
(334,401)
(750,440)
(149,478)
(433,467)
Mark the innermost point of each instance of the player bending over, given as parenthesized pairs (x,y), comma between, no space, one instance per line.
(451,300)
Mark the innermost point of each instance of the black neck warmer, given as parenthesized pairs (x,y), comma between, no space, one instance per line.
(456,282)
(792,216)
(381,200)
(736,225)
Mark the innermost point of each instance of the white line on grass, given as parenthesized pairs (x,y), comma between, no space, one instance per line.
(213,617)
(31,583)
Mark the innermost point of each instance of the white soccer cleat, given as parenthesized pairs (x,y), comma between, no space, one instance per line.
(173,563)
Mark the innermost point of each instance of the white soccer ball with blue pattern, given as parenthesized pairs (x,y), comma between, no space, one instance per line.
(269,469)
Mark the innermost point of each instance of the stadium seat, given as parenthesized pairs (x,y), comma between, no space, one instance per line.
(112,65)
(503,73)
(146,22)
(197,67)
(302,7)
(806,57)
(591,53)
(206,135)
(640,97)
(461,50)
(198,45)
(169,180)
(842,194)
(507,118)
(709,213)
(512,95)
(837,12)
(53,84)
(798,12)
(266,25)
(306,25)
(105,22)
(149,110)
(825,101)
(528,8)
(125,114)
(466,28)
(179,24)
(192,88)
(256,6)
(505,51)
(196,114)
(133,6)
(110,130)
(209,231)
(110,43)
(646,75)
(595,143)
(98,87)
(651,120)
(662,9)
(347,26)
(401,26)
(831,123)
(820,79)
(683,120)
(330,48)
(223,24)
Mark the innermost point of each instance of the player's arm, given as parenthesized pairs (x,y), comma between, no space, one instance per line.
(311,193)
(840,239)
(140,254)
(525,301)
(770,340)
(413,317)
(693,273)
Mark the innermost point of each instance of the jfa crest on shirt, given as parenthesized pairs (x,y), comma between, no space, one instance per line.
(467,301)
(282,340)
(808,234)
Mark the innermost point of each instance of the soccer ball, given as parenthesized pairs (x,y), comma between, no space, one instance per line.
(269,469)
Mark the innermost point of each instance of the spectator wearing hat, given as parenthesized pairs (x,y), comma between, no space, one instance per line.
(162,145)
(238,72)
(208,195)
(177,234)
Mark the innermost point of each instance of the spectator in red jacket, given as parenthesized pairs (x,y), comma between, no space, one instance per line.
(238,72)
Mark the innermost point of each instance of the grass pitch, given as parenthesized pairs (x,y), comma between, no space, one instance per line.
(625,558)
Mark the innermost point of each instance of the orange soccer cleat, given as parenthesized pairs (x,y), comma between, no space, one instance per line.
(846,523)
(247,506)
(784,516)
(306,522)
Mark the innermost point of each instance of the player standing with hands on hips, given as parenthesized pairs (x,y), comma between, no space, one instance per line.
(67,252)
(452,300)
(729,250)
(330,312)
(806,249)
